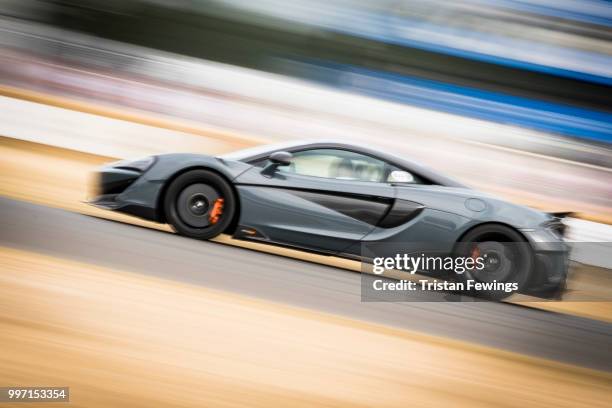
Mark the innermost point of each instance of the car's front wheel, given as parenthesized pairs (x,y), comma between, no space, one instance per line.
(200,204)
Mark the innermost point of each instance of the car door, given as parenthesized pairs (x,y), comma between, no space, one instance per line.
(326,200)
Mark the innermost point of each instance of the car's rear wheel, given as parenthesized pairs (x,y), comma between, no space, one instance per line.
(506,258)
(200,204)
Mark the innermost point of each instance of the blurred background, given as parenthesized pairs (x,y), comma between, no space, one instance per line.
(509,96)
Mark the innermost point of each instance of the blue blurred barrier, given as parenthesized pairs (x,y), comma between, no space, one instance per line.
(472,102)
(516,41)
(585,11)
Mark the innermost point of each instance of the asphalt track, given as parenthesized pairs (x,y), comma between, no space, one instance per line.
(40,229)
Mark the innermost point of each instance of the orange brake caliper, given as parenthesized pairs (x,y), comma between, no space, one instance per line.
(475,252)
(216,211)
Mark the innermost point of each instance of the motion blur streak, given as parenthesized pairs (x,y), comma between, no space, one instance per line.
(106,333)
(513,131)
(510,97)
(510,171)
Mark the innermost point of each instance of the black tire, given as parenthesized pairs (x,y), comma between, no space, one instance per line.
(189,203)
(513,255)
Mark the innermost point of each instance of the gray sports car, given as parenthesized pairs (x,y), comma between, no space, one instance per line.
(337,199)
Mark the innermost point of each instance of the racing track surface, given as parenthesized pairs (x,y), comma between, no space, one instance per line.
(106,243)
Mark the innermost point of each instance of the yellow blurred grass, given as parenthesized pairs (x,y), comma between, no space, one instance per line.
(123,339)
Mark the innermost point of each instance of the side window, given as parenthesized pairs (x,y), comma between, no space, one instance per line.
(339,164)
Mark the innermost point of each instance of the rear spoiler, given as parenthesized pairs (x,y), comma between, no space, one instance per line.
(557,222)
(561,214)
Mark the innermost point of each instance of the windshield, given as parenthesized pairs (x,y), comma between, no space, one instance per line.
(249,152)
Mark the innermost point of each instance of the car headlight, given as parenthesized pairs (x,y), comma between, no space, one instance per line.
(141,165)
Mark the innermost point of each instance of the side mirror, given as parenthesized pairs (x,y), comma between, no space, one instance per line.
(399,176)
(281,158)
(276,159)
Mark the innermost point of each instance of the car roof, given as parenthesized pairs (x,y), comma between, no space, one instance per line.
(263,151)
